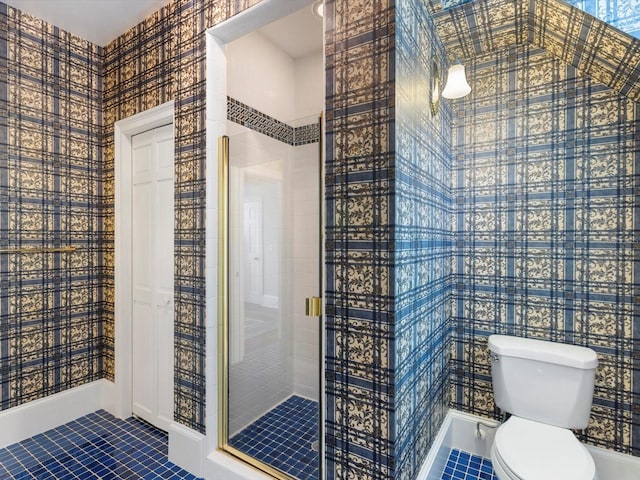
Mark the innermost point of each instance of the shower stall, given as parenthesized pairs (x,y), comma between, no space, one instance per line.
(271,343)
(269,236)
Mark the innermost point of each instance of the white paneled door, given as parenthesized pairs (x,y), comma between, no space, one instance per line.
(152,275)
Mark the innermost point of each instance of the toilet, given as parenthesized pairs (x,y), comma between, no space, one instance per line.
(547,388)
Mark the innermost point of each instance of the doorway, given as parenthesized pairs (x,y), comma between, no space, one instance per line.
(152,211)
(264,317)
(273,354)
(144,259)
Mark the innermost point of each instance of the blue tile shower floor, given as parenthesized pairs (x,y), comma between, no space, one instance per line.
(96,446)
(282,438)
(465,466)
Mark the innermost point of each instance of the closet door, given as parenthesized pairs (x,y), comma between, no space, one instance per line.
(152,275)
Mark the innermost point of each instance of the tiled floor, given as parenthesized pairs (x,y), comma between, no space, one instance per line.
(463,465)
(97,446)
(282,438)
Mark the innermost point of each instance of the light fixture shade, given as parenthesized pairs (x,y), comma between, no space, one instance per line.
(457,85)
(318,8)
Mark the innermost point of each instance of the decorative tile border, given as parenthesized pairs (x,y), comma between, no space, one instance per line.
(306,134)
(257,121)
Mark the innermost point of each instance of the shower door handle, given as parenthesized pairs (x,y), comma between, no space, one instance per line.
(313,306)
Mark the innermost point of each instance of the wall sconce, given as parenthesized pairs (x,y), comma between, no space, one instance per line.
(456,86)
(318,8)
(435,87)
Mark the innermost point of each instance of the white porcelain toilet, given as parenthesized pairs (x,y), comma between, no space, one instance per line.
(547,388)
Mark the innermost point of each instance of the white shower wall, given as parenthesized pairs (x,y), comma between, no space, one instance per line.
(262,76)
(292,91)
(305,264)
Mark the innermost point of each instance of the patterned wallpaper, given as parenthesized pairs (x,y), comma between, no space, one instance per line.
(51,304)
(359,239)
(545,157)
(597,49)
(161,59)
(546,242)
(575,264)
(622,14)
(423,241)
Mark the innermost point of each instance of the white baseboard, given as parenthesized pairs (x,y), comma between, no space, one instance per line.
(186,449)
(25,421)
(458,431)
(612,465)
(436,459)
(223,466)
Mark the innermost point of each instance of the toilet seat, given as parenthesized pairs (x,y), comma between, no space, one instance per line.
(528,450)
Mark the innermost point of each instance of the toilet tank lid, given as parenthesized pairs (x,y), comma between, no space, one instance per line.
(551,352)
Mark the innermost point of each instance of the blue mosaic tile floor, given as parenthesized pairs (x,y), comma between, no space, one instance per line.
(282,438)
(97,446)
(462,465)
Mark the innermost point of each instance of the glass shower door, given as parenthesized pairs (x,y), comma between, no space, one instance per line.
(273,266)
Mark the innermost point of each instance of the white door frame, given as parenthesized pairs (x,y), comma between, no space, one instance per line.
(124,130)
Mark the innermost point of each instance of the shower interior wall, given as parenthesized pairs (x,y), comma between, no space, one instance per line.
(267,79)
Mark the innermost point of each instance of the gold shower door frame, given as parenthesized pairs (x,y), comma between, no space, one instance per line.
(223,316)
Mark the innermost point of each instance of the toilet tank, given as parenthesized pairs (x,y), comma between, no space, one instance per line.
(543,381)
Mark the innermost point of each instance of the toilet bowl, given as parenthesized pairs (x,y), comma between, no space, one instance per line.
(528,450)
(547,387)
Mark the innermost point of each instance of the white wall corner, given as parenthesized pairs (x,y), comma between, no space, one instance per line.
(108,396)
(187,449)
(612,465)
(438,453)
(457,431)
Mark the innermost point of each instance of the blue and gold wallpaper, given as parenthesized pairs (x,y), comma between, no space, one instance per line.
(547,195)
(423,240)
(359,315)
(51,303)
(622,14)
(546,150)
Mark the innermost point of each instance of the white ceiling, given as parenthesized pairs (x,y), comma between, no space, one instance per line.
(298,35)
(99,21)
